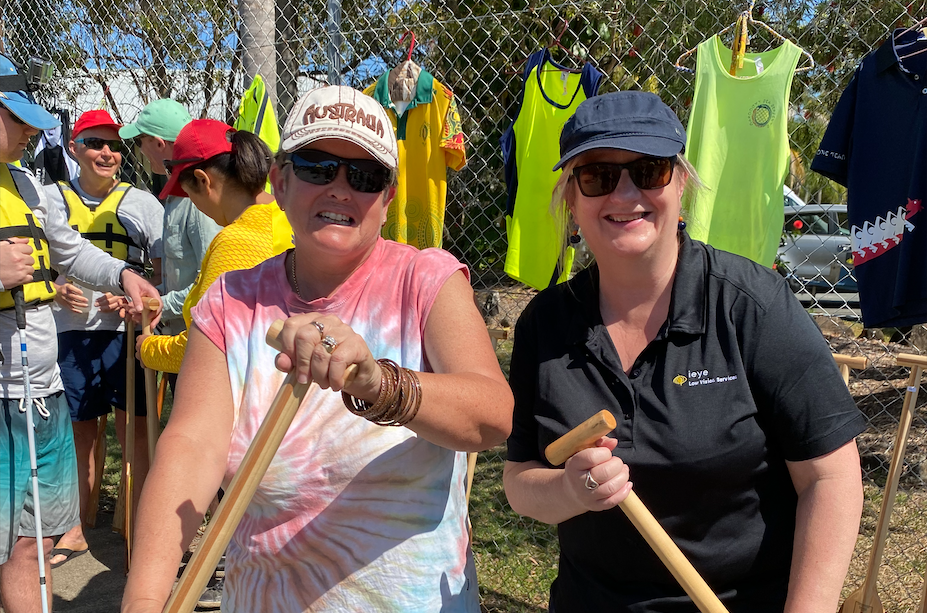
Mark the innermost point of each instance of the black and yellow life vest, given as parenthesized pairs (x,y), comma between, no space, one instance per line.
(99,223)
(18,220)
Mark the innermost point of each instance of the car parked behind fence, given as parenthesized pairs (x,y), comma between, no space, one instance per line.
(815,254)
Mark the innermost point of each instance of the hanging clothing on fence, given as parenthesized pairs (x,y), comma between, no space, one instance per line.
(53,161)
(738,141)
(530,149)
(431,140)
(256,114)
(876,146)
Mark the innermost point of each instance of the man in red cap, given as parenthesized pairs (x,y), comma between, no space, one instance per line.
(126,223)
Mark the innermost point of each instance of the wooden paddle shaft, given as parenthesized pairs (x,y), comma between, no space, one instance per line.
(129,458)
(868,596)
(584,436)
(240,491)
(151,385)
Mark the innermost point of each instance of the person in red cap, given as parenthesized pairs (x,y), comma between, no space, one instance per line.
(126,223)
(224,172)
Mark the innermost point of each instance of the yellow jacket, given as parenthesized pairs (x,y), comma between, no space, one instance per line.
(260,233)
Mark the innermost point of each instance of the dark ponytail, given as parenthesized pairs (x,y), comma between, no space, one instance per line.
(247,165)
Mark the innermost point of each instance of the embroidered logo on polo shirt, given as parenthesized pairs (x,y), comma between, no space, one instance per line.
(762,113)
(877,237)
(701,377)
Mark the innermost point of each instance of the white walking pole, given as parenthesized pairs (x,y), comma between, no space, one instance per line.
(20,307)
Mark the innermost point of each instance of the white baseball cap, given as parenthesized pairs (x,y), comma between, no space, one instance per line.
(336,111)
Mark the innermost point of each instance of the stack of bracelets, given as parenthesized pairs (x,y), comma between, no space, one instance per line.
(399,400)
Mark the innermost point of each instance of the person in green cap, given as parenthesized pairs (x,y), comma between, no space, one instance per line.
(187,231)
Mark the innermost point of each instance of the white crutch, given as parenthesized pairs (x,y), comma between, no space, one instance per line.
(20,306)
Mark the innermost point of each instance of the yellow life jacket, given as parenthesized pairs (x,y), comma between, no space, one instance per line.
(99,223)
(18,220)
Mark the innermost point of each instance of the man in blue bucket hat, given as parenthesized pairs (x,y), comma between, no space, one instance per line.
(34,240)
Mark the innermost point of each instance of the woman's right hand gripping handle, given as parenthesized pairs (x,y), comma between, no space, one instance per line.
(594,479)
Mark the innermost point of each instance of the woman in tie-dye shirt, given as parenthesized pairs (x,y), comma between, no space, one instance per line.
(351,516)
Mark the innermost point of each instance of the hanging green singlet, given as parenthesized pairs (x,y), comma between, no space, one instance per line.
(738,141)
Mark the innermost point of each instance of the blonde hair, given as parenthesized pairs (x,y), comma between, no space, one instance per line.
(564,192)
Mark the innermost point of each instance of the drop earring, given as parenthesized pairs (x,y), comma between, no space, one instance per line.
(682,224)
(575,238)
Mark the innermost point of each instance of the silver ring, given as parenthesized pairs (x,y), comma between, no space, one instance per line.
(329,343)
(591,483)
(320,327)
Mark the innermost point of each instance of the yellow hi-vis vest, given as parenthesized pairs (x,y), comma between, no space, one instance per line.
(99,224)
(18,220)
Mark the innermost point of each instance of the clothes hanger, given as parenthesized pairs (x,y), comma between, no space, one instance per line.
(555,43)
(920,39)
(740,43)
(403,78)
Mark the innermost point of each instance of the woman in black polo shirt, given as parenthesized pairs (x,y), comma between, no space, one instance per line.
(732,416)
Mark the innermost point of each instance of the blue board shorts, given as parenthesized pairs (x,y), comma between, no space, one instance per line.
(57,471)
(93,370)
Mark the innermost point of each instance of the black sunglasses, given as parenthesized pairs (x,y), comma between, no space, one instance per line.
(93,142)
(601,178)
(321,168)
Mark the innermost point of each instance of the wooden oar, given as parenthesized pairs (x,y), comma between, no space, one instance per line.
(584,436)
(245,482)
(846,362)
(129,458)
(151,385)
(865,599)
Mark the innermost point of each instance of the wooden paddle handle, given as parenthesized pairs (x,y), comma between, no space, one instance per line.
(907,359)
(584,436)
(240,491)
(857,362)
(846,362)
(581,437)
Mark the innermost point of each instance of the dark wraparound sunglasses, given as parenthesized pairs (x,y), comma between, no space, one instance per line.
(321,168)
(602,178)
(91,142)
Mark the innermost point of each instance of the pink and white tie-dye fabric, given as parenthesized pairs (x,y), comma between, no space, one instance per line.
(350,516)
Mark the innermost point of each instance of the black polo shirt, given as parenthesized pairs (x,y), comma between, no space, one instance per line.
(738,380)
(876,145)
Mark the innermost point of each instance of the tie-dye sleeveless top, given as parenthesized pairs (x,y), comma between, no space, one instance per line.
(350,516)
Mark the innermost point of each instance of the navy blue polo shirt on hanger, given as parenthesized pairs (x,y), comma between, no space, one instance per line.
(876,146)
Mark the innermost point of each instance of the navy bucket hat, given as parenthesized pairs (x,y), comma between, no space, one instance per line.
(630,120)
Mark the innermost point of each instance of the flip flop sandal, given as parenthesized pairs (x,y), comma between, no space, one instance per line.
(69,554)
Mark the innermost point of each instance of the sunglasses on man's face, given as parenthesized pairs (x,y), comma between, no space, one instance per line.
(321,168)
(601,178)
(92,142)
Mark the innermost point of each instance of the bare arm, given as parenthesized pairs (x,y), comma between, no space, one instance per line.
(187,471)
(554,495)
(466,403)
(830,501)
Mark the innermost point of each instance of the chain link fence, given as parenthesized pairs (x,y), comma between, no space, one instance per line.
(124,53)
